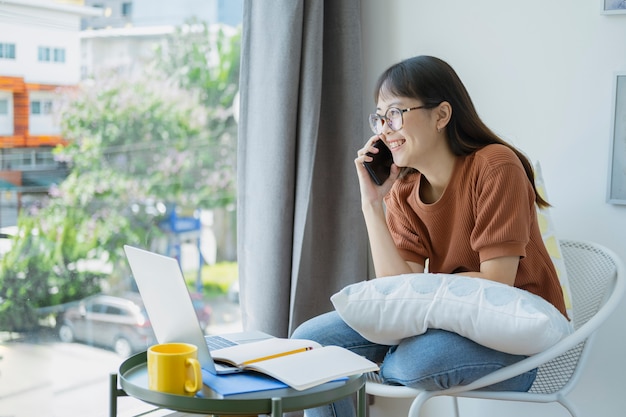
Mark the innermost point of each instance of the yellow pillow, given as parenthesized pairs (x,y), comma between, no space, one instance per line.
(548,233)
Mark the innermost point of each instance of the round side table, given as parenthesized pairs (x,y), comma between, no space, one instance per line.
(133,378)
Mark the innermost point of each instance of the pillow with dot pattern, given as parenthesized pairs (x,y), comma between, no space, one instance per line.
(508,319)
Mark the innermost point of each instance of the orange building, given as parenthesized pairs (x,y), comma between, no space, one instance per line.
(21,115)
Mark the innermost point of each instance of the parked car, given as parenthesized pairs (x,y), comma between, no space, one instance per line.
(119,323)
(202,308)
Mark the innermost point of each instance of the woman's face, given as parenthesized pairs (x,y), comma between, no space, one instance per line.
(416,141)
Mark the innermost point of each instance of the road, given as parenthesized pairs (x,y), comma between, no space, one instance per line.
(41,376)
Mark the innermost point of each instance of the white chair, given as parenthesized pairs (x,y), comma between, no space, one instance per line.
(596,279)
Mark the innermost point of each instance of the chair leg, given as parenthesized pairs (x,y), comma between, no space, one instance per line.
(422,397)
(455,402)
(568,406)
(418,402)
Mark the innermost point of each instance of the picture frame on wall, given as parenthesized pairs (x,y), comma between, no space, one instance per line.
(613,6)
(617,162)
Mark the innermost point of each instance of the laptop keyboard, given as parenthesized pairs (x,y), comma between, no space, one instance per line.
(217,342)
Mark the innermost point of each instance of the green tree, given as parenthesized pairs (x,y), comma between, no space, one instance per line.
(136,143)
(206,60)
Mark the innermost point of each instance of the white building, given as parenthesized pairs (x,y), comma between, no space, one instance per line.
(39,53)
(124,36)
(138,13)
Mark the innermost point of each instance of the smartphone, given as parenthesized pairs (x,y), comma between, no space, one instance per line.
(380,167)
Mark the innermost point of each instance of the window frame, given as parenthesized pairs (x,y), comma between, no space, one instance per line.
(4,104)
(43,54)
(7,50)
(58,55)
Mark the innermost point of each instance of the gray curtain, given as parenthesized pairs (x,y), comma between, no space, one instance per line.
(301,236)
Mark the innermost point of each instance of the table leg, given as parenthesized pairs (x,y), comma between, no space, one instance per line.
(360,402)
(277,407)
(114,392)
(113,395)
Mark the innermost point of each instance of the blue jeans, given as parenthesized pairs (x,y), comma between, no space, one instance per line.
(435,360)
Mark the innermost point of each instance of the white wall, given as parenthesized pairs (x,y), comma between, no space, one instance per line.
(541,75)
(127,50)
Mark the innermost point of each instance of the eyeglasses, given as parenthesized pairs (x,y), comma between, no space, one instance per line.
(393,118)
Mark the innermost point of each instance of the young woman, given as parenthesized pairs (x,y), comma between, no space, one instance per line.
(459,198)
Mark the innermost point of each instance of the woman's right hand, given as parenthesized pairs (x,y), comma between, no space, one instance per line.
(385,256)
(372,194)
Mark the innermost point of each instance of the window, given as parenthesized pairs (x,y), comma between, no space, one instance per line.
(41,107)
(44,54)
(59,54)
(47,54)
(137,137)
(44,158)
(6,125)
(127,9)
(115,311)
(95,308)
(7,51)
(35,107)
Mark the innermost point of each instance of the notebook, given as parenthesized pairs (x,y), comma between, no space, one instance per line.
(170,309)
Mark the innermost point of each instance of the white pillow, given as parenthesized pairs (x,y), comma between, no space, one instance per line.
(508,319)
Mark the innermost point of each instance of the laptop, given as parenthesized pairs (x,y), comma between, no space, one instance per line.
(171,312)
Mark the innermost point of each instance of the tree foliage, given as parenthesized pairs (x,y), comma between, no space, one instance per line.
(206,61)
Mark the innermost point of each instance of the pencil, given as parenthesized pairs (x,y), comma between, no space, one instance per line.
(277,355)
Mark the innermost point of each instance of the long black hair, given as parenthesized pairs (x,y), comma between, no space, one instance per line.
(434,81)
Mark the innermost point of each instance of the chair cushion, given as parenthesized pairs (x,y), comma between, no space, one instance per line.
(548,234)
(387,310)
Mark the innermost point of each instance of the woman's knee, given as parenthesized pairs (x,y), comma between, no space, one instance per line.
(320,328)
(330,329)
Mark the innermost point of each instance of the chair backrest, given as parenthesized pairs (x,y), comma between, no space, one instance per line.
(592,276)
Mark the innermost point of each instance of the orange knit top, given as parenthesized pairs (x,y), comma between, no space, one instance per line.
(486,211)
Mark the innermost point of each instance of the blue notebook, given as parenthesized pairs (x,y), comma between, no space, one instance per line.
(248,384)
(240,383)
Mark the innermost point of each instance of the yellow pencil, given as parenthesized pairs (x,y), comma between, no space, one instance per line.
(277,355)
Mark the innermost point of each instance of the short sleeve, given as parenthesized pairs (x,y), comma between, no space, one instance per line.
(504,204)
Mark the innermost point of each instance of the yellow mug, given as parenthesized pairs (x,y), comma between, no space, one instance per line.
(174,368)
